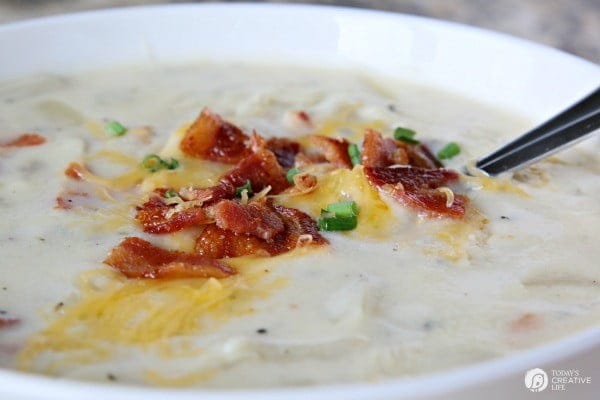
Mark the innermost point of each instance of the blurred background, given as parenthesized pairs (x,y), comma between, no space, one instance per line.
(570,25)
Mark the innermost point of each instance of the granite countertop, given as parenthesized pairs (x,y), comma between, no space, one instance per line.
(570,25)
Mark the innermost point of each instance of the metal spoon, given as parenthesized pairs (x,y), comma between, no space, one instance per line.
(567,128)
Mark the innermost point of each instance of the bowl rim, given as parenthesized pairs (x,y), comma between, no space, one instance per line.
(30,384)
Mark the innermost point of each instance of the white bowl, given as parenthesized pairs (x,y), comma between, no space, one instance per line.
(529,79)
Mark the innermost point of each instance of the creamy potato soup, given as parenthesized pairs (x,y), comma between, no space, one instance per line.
(153,232)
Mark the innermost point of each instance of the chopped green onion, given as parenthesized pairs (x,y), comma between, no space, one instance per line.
(342,216)
(354,153)
(152,162)
(291,174)
(337,223)
(172,164)
(170,193)
(343,209)
(115,128)
(406,135)
(448,151)
(247,187)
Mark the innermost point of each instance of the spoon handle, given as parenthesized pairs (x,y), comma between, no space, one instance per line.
(565,129)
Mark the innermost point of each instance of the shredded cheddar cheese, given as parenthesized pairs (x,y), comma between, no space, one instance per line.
(114,311)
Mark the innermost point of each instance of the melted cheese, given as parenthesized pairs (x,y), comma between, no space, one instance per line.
(116,311)
(375,216)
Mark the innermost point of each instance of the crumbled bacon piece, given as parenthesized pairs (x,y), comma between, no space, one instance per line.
(417,187)
(76,171)
(212,194)
(255,219)
(261,169)
(67,199)
(25,140)
(420,156)
(380,152)
(215,242)
(285,150)
(158,217)
(8,322)
(137,258)
(335,150)
(220,243)
(212,138)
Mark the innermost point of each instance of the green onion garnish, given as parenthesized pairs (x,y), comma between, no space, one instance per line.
(247,187)
(292,172)
(343,209)
(354,153)
(153,163)
(406,135)
(342,216)
(337,223)
(171,164)
(115,128)
(170,193)
(448,151)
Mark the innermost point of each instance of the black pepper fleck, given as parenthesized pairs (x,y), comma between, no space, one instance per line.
(58,306)
(392,107)
(261,331)
(2,312)
(111,377)
(504,217)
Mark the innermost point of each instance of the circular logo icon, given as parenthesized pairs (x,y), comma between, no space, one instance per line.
(536,380)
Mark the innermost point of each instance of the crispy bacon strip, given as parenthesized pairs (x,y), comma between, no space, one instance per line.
(8,322)
(285,150)
(255,219)
(216,242)
(380,152)
(137,258)
(334,150)
(154,215)
(25,140)
(212,138)
(417,188)
(261,169)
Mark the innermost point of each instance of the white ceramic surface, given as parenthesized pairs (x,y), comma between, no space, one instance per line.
(532,80)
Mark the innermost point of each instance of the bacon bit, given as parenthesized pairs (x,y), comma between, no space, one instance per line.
(420,156)
(8,322)
(380,152)
(220,243)
(215,242)
(261,169)
(64,201)
(25,140)
(334,150)
(255,219)
(156,217)
(137,258)
(304,116)
(305,183)
(526,322)
(212,138)
(76,171)
(417,188)
(210,195)
(285,150)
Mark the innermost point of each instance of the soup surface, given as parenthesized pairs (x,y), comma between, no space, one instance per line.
(402,294)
